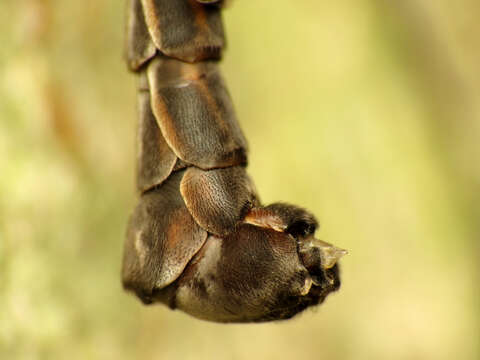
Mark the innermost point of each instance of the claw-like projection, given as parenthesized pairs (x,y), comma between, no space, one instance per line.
(314,250)
(283,217)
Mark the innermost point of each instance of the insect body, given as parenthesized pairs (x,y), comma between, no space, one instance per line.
(199,239)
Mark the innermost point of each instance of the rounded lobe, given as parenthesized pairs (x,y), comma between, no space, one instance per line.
(218,199)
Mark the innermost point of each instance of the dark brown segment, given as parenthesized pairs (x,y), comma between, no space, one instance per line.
(155,159)
(195,113)
(218,199)
(162,237)
(139,47)
(185,29)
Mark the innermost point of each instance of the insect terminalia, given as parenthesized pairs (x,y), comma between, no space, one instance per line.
(199,239)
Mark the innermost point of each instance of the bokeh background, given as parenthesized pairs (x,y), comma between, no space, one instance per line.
(367,112)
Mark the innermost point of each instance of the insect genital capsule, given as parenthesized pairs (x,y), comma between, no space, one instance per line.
(199,239)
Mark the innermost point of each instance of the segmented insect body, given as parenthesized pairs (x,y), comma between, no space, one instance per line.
(199,239)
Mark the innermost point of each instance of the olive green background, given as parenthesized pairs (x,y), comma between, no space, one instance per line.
(367,112)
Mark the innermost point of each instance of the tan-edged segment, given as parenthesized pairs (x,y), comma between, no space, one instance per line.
(195,114)
(139,45)
(185,29)
(162,237)
(155,159)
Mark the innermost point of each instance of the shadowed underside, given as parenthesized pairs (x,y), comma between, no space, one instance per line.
(199,239)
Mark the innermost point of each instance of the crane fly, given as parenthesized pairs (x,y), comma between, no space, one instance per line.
(199,239)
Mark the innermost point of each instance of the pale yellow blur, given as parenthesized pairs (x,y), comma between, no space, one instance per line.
(365,112)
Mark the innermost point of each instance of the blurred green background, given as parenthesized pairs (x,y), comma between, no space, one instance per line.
(367,112)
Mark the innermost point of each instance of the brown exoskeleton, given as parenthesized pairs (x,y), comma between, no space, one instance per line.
(199,239)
